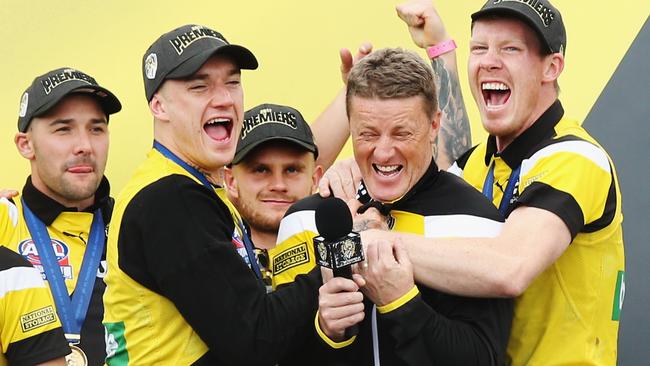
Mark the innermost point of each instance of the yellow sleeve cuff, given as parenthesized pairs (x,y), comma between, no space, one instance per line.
(326,339)
(399,302)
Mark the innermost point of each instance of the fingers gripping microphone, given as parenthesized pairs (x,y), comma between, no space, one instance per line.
(337,247)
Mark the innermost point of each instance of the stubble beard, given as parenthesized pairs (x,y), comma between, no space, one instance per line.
(257,219)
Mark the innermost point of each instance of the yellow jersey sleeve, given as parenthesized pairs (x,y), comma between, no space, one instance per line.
(572,178)
(294,253)
(27,307)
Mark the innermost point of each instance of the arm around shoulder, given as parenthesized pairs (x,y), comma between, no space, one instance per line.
(188,250)
(531,240)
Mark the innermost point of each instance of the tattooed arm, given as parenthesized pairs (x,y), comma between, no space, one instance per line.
(363,224)
(454,137)
(426,29)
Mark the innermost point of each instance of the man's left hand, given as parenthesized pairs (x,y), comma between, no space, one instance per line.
(388,271)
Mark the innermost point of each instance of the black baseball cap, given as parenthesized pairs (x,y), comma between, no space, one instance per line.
(48,89)
(541,15)
(181,52)
(268,122)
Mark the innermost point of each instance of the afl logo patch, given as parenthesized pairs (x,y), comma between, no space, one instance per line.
(27,248)
(238,242)
(237,239)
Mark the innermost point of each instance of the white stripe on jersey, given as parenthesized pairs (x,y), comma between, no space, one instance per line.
(19,278)
(296,223)
(584,148)
(13,210)
(460,226)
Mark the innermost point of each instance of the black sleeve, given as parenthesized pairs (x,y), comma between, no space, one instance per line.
(357,353)
(41,348)
(312,350)
(186,254)
(448,330)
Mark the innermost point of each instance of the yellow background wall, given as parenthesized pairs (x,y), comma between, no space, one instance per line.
(296,43)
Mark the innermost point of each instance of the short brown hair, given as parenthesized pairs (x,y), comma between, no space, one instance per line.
(393,73)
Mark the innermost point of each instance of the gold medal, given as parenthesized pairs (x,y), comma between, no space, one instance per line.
(77,357)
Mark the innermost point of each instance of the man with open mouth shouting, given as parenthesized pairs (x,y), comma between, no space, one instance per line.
(184,286)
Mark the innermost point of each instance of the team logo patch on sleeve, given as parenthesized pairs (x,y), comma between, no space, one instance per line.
(619,296)
(290,258)
(37,318)
(27,248)
(116,349)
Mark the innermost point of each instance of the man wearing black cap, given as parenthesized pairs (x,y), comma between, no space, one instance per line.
(274,166)
(59,222)
(561,249)
(183,285)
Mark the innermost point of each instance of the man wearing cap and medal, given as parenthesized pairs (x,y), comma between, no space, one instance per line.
(183,285)
(59,222)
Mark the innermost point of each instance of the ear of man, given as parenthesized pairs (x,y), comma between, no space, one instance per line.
(157,107)
(315,178)
(24,145)
(554,64)
(435,126)
(230,182)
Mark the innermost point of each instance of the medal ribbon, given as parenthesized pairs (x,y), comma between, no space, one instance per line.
(488,185)
(248,245)
(72,312)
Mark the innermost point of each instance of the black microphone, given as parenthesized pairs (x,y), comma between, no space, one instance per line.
(337,247)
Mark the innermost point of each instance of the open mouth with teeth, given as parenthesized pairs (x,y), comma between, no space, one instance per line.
(387,170)
(219,129)
(495,93)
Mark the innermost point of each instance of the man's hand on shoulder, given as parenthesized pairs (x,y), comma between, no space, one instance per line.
(341,180)
(8,193)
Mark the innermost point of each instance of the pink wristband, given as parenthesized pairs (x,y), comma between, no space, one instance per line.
(441,48)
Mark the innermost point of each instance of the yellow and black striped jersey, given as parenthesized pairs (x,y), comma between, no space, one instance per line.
(429,327)
(179,291)
(570,313)
(68,230)
(30,331)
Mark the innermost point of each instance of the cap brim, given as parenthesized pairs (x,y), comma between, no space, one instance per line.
(514,13)
(109,102)
(241,55)
(240,154)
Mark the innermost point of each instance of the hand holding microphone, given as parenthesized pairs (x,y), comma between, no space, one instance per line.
(338,248)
